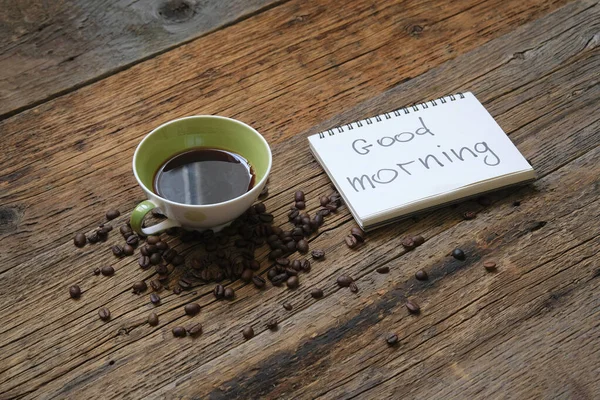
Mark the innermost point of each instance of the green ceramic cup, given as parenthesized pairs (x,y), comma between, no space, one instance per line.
(183,134)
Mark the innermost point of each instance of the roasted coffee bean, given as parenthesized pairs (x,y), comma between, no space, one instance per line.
(248,333)
(259,281)
(344,280)
(107,270)
(103,230)
(297,234)
(353,287)
(421,275)
(318,219)
(152,319)
(260,208)
(93,237)
(458,254)
(305,220)
(302,246)
(279,279)
(283,261)
(272,324)
(318,254)
(144,262)
(324,212)
(391,339)
(156,285)
(316,293)
(179,331)
(271,273)
(139,287)
(117,250)
(144,251)
(293,214)
(275,254)
(161,269)
(229,293)
(177,289)
(254,265)
(132,240)
(219,292)
(383,270)
(169,255)
(161,246)
(331,207)
(418,240)
(128,250)
(324,200)
(195,330)
(163,277)
(155,258)
(358,234)
(155,299)
(291,271)
(177,260)
(306,229)
(489,265)
(297,265)
(276,230)
(264,193)
(104,314)
(192,308)
(297,220)
(292,282)
(172,231)
(467,215)
(300,205)
(152,239)
(186,284)
(247,275)
(112,214)
(151,249)
(75,292)
(79,240)
(351,241)
(288,306)
(305,265)
(413,307)
(408,243)
(266,217)
(299,195)
(290,247)
(96,271)
(126,231)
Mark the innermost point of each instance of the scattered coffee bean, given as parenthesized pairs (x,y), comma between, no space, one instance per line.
(358,234)
(353,287)
(391,339)
(260,208)
(331,207)
(144,262)
(279,279)
(104,314)
(126,231)
(283,261)
(104,229)
(291,271)
(152,319)
(139,287)
(152,239)
(272,324)
(489,265)
(117,250)
(344,280)
(418,240)
(408,243)
(128,250)
(155,299)
(351,241)
(229,293)
(156,285)
(178,260)
(132,240)
(288,306)
(161,269)
(195,330)
(383,270)
(421,275)
(151,249)
(248,333)
(96,271)
(316,293)
(79,240)
(93,237)
(179,331)
(219,292)
(299,195)
(155,258)
(107,270)
(75,292)
(247,275)
(323,212)
(300,205)
(264,193)
(259,281)
(306,265)
(254,265)
(302,246)
(272,273)
(458,254)
(324,200)
(112,214)
(161,246)
(185,284)
(318,254)
(192,309)
(293,214)
(144,251)
(169,255)
(177,289)
(413,307)
(292,282)
(296,265)
(467,215)
(266,218)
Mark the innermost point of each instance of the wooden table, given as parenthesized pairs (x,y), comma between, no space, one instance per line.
(84,81)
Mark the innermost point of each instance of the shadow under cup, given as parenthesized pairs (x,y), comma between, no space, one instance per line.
(201,131)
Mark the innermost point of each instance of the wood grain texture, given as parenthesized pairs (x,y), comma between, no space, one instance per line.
(526,331)
(51,48)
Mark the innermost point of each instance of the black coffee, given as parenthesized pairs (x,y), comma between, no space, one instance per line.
(204,176)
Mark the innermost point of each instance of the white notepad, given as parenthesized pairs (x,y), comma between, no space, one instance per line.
(418,157)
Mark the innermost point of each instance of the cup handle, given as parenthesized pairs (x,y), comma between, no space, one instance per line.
(138,214)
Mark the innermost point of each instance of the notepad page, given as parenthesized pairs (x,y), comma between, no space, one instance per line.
(416,154)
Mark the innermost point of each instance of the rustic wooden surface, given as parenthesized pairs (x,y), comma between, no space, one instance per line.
(527,331)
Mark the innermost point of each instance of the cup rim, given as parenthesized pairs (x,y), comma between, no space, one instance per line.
(204,206)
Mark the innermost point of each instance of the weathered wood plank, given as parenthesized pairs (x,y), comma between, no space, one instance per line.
(51,48)
(347,348)
(277,72)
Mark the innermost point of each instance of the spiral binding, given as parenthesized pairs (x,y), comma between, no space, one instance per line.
(389,115)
